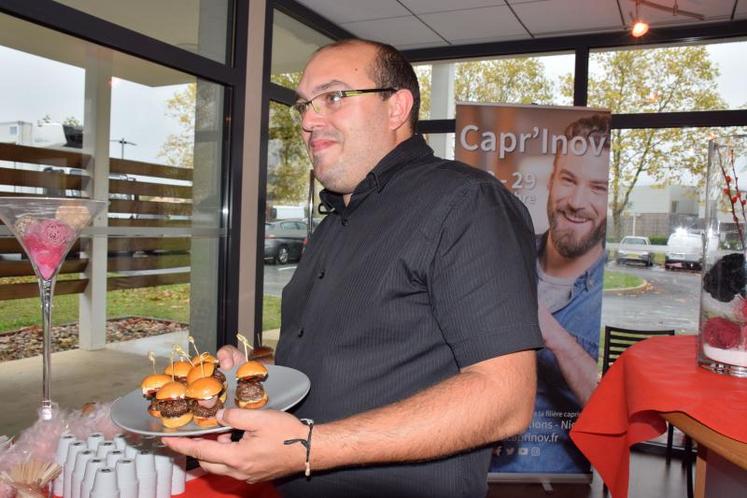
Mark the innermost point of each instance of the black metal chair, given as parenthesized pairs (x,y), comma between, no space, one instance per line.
(617,340)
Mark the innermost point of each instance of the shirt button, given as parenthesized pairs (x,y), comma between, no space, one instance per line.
(300,333)
(321,274)
(344,222)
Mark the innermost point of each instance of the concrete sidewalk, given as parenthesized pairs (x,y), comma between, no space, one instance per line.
(80,376)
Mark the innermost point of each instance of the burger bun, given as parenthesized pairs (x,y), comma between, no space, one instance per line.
(174,422)
(254,404)
(252,370)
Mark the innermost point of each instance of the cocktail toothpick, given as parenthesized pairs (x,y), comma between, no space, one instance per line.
(171,358)
(197,351)
(182,354)
(152,358)
(247,345)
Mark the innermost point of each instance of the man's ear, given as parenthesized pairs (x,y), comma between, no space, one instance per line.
(400,105)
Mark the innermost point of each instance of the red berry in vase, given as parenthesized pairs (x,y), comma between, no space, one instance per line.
(722,333)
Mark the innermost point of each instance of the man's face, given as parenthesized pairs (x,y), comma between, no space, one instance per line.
(577,205)
(345,145)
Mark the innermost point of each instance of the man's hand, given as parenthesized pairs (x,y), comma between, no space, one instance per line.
(229,356)
(259,456)
(578,368)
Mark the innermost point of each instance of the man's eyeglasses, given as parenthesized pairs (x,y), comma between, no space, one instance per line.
(328,102)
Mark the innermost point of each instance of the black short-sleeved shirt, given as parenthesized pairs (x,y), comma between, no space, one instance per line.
(429,269)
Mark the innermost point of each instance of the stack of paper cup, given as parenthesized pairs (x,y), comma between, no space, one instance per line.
(145,468)
(104,448)
(112,457)
(91,467)
(94,440)
(62,445)
(179,477)
(79,471)
(105,484)
(120,441)
(127,478)
(67,471)
(131,450)
(164,471)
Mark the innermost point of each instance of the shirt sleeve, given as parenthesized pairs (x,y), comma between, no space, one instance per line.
(483,281)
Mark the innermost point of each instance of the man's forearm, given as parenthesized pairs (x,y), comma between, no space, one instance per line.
(485,402)
(578,368)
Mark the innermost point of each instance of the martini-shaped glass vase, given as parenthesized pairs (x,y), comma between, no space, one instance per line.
(47,228)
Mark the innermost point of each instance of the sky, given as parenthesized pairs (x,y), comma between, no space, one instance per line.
(32,87)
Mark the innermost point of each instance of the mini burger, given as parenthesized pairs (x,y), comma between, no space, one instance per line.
(179,370)
(249,390)
(204,400)
(150,386)
(205,370)
(173,405)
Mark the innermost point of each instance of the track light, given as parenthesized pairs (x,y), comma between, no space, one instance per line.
(640,27)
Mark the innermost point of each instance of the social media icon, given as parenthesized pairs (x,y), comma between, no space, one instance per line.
(523,451)
(535,451)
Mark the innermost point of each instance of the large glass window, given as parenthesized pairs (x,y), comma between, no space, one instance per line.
(292,45)
(669,79)
(541,79)
(200,26)
(79,120)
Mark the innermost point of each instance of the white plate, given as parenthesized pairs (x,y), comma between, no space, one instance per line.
(285,387)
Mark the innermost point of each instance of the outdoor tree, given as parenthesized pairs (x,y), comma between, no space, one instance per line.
(652,81)
(288,165)
(178,149)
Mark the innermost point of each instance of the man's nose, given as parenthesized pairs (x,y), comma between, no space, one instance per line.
(311,119)
(578,197)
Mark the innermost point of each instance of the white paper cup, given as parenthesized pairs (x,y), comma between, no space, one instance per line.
(94,440)
(120,441)
(112,457)
(145,467)
(164,473)
(131,449)
(127,478)
(60,456)
(179,477)
(92,466)
(105,484)
(67,471)
(81,459)
(104,448)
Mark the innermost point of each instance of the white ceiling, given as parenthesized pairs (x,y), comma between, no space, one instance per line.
(410,24)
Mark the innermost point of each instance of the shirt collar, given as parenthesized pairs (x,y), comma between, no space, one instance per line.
(403,154)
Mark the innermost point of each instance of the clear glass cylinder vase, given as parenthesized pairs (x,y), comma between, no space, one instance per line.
(722,335)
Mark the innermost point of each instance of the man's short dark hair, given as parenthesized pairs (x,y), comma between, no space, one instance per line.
(389,69)
(596,126)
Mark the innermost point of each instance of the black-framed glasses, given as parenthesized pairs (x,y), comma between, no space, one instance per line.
(328,102)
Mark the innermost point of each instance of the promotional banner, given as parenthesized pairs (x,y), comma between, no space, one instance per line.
(556,160)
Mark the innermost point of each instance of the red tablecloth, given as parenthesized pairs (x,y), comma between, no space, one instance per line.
(209,486)
(654,376)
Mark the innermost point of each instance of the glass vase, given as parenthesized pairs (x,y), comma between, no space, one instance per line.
(722,335)
(47,228)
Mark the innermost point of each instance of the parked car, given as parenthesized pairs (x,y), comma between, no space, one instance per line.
(284,240)
(634,249)
(684,250)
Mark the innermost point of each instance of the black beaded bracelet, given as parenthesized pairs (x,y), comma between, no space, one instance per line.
(305,442)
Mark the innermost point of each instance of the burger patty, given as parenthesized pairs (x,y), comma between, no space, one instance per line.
(219,376)
(173,407)
(249,390)
(201,411)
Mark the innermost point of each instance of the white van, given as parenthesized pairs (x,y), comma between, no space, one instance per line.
(684,250)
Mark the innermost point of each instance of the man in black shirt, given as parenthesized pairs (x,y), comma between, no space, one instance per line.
(413,311)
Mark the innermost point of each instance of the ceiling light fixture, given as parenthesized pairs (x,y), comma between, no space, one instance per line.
(640,26)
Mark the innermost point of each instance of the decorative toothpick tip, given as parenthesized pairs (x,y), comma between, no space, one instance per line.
(171,358)
(247,345)
(152,358)
(183,354)
(192,342)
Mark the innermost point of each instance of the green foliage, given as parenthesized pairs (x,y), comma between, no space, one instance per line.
(168,302)
(654,81)
(658,240)
(288,164)
(519,80)
(178,150)
(270,312)
(617,280)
